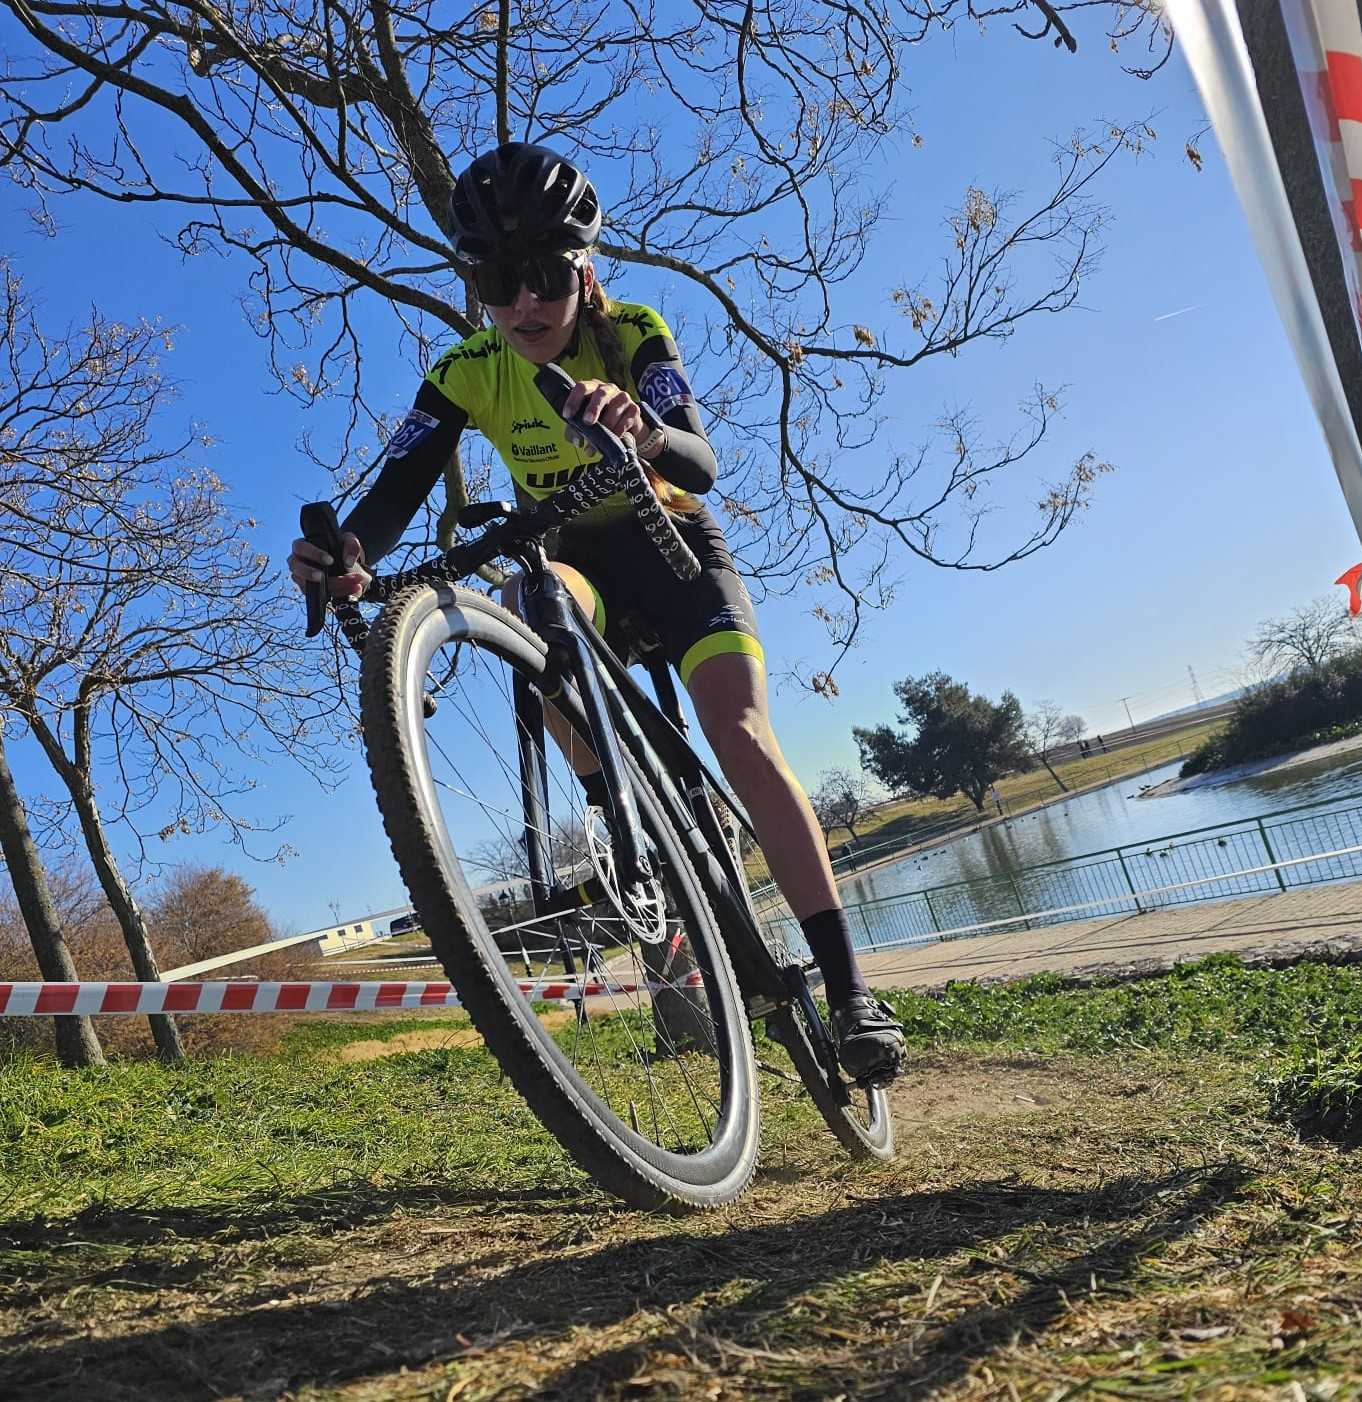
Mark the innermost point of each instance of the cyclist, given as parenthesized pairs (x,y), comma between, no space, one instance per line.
(526,220)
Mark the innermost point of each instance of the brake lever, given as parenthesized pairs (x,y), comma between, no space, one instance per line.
(481,513)
(555,384)
(317,521)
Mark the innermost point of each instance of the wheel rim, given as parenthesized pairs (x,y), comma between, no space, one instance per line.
(861,1114)
(650,1054)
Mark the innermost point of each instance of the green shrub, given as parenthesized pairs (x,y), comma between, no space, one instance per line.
(1307,708)
(1215,1004)
(1319,1090)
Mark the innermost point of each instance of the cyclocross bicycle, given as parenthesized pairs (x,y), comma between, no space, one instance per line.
(641,908)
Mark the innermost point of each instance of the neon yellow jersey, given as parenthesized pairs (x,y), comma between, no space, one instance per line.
(495,389)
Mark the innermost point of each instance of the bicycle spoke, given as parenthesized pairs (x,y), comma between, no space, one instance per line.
(658,1065)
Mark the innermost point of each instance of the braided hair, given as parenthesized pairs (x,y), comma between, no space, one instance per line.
(596,314)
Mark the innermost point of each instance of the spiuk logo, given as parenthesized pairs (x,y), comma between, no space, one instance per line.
(524,425)
(638,320)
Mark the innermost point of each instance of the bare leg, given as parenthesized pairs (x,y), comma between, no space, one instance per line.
(729,694)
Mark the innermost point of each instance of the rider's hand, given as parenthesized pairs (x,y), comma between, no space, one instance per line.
(308,564)
(598,401)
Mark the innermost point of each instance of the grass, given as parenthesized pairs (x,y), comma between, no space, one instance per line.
(1213,1005)
(1099,1193)
(1319,1090)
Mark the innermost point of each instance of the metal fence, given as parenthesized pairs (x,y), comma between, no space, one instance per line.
(1219,862)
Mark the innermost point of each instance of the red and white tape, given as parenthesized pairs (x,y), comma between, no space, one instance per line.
(1329,59)
(1326,44)
(241,996)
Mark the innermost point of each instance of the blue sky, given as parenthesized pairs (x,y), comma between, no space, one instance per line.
(1224,508)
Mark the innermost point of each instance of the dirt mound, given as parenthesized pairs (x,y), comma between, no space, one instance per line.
(940,1093)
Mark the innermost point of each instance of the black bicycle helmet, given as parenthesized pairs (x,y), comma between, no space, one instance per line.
(523,200)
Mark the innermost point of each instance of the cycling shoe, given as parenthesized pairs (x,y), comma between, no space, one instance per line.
(868,1039)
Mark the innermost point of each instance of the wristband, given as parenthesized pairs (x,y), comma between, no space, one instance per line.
(654,445)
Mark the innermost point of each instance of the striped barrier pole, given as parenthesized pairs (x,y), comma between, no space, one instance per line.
(242,996)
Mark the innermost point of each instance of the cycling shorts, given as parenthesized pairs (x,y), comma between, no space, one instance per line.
(694,619)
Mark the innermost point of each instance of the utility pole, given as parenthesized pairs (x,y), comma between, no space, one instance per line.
(1196,690)
(1125,701)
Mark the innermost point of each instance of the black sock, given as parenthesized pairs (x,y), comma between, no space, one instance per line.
(593,786)
(829,938)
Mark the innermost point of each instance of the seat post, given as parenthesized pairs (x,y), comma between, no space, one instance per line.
(664,687)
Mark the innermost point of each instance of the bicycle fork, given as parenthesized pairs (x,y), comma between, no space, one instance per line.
(548,604)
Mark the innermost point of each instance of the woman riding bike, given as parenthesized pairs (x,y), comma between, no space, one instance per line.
(526,220)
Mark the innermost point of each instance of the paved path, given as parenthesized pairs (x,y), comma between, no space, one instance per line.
(1283,925)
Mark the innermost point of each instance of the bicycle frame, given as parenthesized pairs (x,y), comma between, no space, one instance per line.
(618,711)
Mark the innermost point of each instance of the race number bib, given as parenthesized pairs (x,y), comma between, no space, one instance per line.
(415,429)
(664,387)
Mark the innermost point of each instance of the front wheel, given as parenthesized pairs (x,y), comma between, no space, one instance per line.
(650,1082)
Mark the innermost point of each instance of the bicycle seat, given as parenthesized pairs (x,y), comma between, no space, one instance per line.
(640,638)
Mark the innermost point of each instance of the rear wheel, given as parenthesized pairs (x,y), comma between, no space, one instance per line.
(857,1115)
(649,1080)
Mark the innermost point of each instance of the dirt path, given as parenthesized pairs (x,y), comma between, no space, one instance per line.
(938,1093)
(436,1039)
(1129,1223)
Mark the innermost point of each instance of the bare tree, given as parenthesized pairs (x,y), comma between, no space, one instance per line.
(201,911)
(1302,640)
(318,140)
(143,638)
(77,1044)
(1046,727)
(1071,728)
(841,797)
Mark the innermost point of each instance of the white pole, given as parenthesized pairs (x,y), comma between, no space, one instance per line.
(1213,44)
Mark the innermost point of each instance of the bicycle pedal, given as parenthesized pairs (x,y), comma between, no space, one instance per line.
(881,1079)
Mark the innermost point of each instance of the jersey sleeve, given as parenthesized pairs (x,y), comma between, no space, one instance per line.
(688,461)
(415,457)
(460,374)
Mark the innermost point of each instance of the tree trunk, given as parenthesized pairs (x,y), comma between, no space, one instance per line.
(75,775)
(169,1046)
(77,1044)
(1045,760)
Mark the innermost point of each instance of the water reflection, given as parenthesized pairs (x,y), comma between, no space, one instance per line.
(1093,822)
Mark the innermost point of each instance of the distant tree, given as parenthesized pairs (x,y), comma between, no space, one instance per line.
(1046,727)
(1304,639)
(1071,728)
(840,798)
(202,911)
(953,741)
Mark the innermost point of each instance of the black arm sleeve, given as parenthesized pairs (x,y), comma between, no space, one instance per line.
(417,454)
(688,461)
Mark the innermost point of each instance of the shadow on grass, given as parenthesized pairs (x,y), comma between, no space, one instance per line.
(117,1234)
(387,1322)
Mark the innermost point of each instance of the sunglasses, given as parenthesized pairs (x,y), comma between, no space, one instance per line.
(550,277)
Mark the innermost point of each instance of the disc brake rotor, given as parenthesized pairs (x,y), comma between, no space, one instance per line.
(642,906)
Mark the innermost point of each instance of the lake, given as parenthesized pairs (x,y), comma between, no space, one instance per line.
(1104,818)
